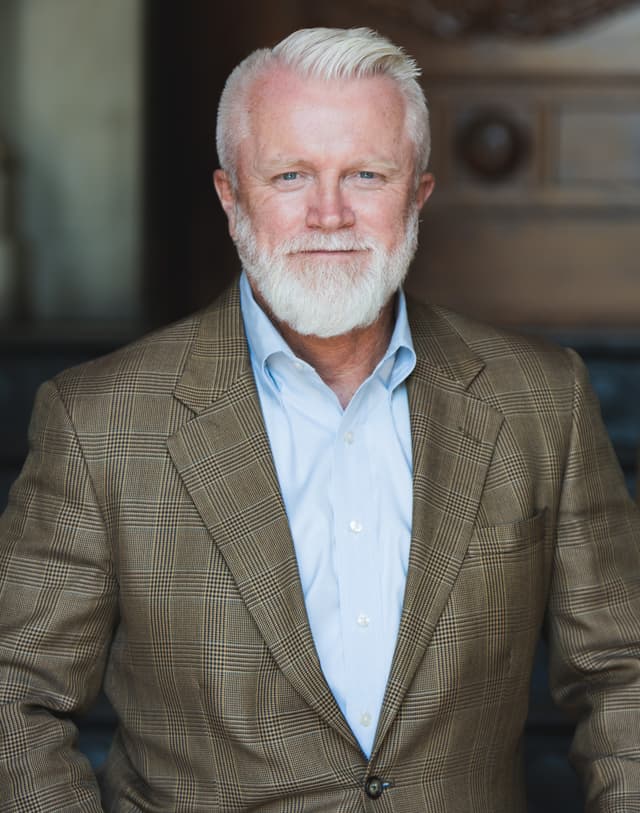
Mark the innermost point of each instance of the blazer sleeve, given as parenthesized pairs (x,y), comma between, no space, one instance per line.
(593,619)
(57,610)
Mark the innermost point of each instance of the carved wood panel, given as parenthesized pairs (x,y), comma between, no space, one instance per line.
(555,239)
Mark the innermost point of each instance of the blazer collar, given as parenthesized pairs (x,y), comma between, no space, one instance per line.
(218,356)
(442,352)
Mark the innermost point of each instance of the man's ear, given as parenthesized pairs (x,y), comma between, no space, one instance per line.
(227,196)
(426,186)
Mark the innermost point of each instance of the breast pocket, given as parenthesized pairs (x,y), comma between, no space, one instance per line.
(508,567)
(508,538)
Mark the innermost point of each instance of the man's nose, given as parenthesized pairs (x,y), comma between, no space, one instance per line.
(328,209)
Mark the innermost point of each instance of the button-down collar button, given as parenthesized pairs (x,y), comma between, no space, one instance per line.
(374,787)
(355,526)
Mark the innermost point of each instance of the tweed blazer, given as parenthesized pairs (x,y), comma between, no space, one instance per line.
(146,544)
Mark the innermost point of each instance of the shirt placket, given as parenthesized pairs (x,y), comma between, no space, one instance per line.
(358,568)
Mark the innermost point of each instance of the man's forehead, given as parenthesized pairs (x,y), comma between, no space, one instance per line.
(280,83)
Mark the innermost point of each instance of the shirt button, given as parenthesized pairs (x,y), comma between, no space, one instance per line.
(363,620)
(365,719)
(355,526)
(298,365)
(348,438)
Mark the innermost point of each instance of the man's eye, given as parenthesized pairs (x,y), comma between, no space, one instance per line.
(290,176)
(367,175)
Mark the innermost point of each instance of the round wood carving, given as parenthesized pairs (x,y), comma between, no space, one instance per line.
(492,145)
(448,19)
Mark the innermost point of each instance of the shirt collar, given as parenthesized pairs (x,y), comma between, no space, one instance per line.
(265,342)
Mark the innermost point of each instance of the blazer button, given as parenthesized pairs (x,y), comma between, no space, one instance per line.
(374,786)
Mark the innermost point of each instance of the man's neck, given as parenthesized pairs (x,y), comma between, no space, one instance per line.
(343,362)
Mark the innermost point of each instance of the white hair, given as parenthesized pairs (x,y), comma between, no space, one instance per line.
(323,53)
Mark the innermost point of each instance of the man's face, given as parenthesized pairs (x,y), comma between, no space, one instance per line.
(326,205)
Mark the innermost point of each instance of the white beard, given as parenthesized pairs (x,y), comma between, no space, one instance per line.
(316,296)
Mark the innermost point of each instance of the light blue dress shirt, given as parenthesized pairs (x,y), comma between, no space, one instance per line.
(346,481)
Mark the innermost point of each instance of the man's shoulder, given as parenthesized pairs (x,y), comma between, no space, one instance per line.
(159,355)
(501,358)
(487,341)
(156,361)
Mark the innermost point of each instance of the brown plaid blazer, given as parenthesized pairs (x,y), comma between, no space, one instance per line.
(146,541)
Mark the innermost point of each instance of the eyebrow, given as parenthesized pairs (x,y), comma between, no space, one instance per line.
(288,162)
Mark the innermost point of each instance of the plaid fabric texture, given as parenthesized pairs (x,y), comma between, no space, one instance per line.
(146,542)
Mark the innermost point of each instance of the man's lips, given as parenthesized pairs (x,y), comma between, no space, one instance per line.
(331,252)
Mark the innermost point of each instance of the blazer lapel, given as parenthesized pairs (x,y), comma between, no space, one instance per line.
(453,435)
(224,459)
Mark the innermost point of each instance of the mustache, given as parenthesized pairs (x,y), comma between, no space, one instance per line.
(324,242)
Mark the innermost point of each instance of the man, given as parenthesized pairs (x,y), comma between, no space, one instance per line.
(309,537)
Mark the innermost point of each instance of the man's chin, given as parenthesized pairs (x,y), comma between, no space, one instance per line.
(315,268)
